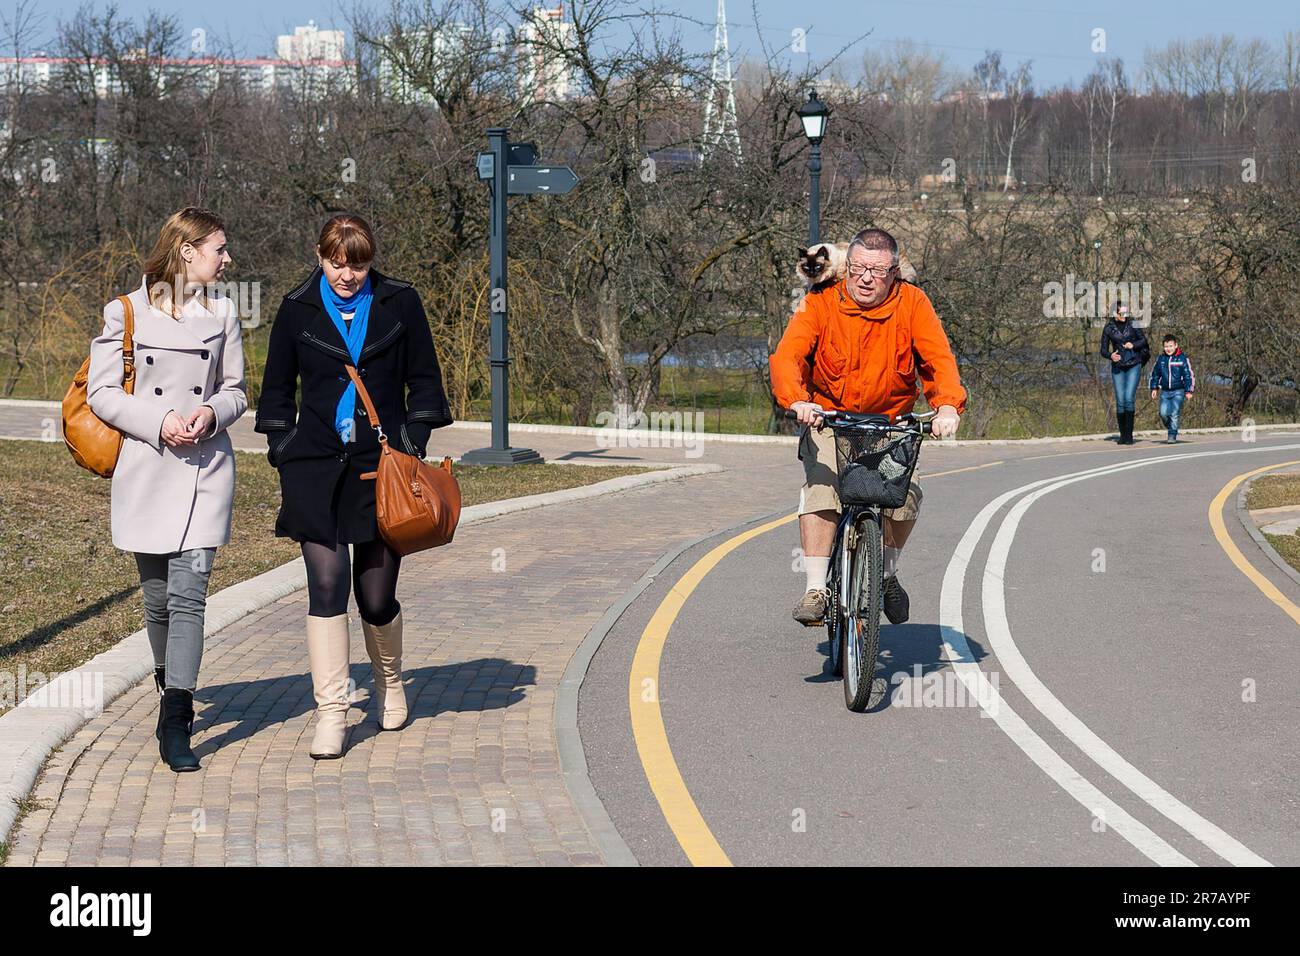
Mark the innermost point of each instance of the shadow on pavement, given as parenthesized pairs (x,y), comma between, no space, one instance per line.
(911,650)
(596,454)
(903,649)
(488,683)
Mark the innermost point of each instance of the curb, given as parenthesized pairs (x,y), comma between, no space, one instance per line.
(1105,436)
(33,729)
(573,757)
(674,438)
(664,437)
(1243,515)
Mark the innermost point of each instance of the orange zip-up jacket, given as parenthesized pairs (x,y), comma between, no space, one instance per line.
(842,356)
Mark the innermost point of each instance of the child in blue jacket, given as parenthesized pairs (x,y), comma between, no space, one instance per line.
(1172,381)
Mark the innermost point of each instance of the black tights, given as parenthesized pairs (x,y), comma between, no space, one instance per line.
(374,580)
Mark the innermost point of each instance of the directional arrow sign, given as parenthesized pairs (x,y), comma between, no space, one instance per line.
(539,179)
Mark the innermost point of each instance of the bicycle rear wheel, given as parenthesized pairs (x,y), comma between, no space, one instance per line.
(860,626)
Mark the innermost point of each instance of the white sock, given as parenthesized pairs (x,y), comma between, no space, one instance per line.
(891,561)
(816,569)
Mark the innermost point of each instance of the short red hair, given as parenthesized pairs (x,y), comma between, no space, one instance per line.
(347,238)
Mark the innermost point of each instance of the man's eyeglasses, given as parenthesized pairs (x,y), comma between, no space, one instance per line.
(855,271)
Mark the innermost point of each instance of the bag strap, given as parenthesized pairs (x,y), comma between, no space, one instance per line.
(370,406)
(128,344)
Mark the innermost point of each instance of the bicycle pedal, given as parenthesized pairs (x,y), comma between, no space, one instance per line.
(813,623)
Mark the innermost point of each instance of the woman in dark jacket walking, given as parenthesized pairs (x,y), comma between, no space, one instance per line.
(327,452)
(1126,347)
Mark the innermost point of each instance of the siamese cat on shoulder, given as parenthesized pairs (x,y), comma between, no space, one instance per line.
(827,263)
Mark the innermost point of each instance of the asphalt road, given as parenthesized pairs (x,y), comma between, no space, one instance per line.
(1144,705)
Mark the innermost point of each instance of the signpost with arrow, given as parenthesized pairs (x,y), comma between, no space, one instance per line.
(540,179)
(509,169)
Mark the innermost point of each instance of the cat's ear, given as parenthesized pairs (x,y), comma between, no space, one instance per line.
(803,251)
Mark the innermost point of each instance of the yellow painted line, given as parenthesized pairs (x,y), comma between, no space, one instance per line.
(922,475)
(661,771)
(1234,553)
(679,809)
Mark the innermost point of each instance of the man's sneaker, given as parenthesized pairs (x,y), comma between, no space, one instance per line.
(895,601)
(811,609)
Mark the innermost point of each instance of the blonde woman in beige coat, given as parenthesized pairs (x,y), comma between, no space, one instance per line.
(174,484)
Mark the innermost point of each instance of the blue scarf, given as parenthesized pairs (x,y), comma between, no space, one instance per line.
(353,337)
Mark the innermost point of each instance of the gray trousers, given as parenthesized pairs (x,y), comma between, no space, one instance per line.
(175,595)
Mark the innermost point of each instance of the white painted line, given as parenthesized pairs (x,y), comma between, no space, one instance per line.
(958,653)
(1018,670)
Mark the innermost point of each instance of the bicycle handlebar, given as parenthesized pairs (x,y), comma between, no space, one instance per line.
(908,422)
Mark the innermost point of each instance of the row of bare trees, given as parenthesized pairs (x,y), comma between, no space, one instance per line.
(655,249)
(1188,117)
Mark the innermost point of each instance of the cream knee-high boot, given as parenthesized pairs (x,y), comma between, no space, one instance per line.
(327,649)
(384,644)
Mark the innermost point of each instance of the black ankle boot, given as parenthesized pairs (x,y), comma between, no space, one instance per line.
(177,725)
(160,678)
(1126,428)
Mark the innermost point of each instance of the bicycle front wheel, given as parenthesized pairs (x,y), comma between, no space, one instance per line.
(839,573)
(860,624)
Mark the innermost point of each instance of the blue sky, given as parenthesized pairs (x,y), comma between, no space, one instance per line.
(1057,36)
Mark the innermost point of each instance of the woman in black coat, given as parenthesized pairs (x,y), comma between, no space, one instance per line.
(327,452)
(1128,350)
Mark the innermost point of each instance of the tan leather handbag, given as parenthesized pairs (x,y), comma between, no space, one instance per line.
(417,505)
(94,443)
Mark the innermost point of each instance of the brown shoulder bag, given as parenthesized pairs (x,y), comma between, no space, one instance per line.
(94,443)
(417,505)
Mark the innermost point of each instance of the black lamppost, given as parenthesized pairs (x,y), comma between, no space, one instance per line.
(813,115)
(1096,307)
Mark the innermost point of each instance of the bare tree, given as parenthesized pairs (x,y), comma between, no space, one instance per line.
(1019,95)
(990,79)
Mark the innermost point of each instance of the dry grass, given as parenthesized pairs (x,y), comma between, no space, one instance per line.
(1287,545)
(1274,491)
(1278,491)
(66,593)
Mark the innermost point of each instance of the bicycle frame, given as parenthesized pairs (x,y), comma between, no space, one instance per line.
(844,549)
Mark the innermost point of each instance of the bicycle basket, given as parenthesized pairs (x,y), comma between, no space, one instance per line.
(876,469)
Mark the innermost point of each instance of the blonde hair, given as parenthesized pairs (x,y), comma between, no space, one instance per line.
(164,269)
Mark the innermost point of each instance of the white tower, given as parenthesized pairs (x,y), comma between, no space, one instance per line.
(720,126)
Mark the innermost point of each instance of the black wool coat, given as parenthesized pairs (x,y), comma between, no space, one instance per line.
(1113,337)
(323,497)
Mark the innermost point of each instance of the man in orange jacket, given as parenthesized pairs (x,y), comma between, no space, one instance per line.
(859,346)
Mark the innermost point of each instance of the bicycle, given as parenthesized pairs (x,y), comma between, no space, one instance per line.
(873,477)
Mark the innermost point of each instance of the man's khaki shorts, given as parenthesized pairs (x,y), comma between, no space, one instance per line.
(821,485)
